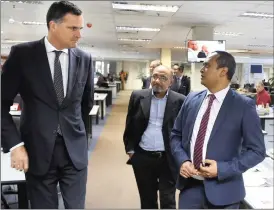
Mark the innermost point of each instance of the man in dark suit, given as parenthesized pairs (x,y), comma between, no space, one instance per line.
(181,83)
(150,118)
(216,137)
(152,66)
(55,81)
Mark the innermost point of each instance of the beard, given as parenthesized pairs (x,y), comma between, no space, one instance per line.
(157,89)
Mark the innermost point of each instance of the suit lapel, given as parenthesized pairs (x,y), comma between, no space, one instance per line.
(74,61)
(196,107)
(226,106)
(145,103)
(169,107)
(45,73)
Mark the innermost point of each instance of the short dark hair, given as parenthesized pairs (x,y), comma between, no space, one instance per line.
(181,67)
(58,10)
(225,59)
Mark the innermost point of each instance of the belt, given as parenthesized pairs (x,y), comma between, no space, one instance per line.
(157,154)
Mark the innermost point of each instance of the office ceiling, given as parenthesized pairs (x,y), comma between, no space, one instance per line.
(102,38)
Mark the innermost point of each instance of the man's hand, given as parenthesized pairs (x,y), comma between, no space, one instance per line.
(20,159)
(209,171)
(187,170)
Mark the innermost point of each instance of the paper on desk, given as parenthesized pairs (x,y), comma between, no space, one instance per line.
(259,197)
(8,173)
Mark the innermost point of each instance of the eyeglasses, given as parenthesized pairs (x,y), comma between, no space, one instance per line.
(161,78)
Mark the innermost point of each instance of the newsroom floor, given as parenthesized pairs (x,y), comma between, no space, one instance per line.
(111,183)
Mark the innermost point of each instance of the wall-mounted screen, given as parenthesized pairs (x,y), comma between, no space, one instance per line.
(256,69)
(199,50)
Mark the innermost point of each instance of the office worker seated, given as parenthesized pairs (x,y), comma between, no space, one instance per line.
(150,118)
(216,137)
(263,96)
(181,83)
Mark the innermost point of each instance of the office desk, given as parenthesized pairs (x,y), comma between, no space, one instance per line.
(10,176)
(114,90)
(101,97)
(259,185)
(107,91)
(118,84)
(267,122)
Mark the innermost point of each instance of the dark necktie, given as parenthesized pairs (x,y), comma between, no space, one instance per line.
(179,82)
(199,144)
(58,82)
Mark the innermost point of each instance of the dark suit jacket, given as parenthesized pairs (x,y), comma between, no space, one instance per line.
(27,72)
(138,117)
(236,143)
(148,80)
(184,87)
(201,54)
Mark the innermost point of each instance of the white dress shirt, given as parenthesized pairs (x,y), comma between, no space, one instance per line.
(215,108)
(64,60)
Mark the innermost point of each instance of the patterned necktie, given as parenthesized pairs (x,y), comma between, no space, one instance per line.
(198,149)
(58,82)
(58,78)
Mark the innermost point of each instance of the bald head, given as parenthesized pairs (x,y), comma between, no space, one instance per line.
(164,69)
(161,79)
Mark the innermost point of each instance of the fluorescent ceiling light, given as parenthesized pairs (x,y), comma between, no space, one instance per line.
(33,23)
(129,28)
(131,52)
(25,2)
(134,40)
(13,41)
(257,15)
(157,8)
(238,51)
(259,45)
(227,33)
(178,47)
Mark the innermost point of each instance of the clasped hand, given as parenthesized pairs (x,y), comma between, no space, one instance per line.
(209,170)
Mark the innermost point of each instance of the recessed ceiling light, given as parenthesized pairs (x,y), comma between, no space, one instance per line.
(257,15)
(129,28)
(134,40)
(147,7)
(227,33)
(2,32)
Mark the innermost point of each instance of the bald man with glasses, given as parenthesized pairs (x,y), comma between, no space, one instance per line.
(150,118)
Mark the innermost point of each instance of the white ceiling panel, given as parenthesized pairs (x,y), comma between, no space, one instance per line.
(175,28)
(216,7)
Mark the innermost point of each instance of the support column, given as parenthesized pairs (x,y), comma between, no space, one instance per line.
(205,33)
(166,57)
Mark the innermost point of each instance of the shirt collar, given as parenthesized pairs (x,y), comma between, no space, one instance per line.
(220,96)
(160,98)
(51,48)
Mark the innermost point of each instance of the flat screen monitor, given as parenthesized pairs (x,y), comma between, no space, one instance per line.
(198,50)
(256,69)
